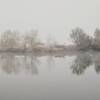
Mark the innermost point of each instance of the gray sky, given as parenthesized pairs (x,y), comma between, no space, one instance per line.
(55,17)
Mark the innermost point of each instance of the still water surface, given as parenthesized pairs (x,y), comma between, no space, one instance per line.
(28,77)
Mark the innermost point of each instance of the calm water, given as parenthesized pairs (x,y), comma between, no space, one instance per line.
(27,77)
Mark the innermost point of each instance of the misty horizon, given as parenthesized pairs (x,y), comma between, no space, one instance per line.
(49,49)
(50,17)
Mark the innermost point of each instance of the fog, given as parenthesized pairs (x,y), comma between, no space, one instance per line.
(53,18)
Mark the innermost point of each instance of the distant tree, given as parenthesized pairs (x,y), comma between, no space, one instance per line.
(9,40)
(96,43)
(81,40)
(30,39)
(97,33)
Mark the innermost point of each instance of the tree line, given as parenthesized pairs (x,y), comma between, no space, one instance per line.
(13,40)
(83,41)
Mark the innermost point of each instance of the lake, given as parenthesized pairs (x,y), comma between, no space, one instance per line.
(28,77)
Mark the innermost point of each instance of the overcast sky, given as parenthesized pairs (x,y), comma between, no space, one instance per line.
(55,17)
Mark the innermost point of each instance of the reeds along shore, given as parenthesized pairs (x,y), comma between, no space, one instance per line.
(14,41)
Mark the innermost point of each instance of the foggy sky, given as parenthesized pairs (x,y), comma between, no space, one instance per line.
(53,18)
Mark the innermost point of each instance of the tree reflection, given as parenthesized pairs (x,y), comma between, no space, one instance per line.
(11,63)
(30,64)
(97,63)
(50,62)
(8,63)
(81,63)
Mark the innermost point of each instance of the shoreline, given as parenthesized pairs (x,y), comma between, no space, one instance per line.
(42,54)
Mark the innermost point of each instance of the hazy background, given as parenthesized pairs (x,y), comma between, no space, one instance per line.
(54,18)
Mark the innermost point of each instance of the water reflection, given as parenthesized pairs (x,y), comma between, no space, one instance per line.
(11,63)
(81,63)
(85,60)
(97,63)
(50,62)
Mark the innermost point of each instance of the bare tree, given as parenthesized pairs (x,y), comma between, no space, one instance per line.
(81,40)
(96,42)
(9,40)
(30,39)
